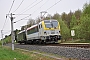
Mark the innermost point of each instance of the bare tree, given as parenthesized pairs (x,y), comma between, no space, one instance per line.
(30,22)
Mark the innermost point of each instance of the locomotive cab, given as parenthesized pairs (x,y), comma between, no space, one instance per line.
(49,31)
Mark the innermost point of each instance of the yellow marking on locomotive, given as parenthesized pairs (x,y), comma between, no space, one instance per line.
(43,24)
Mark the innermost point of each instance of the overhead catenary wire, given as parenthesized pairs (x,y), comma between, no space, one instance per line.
(32,6)
(40,7)
(19,6)
(28,6)
(4,24)
(8,13)
(27,10)
(11,6)
(22,18)
(52,6)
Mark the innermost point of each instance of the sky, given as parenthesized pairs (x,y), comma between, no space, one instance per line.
(23,8)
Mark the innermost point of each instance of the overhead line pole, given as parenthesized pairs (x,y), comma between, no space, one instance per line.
(12,30)
(12,33)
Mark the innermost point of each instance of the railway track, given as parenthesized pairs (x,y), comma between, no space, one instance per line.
(66,51)
(71,45)
(79,45)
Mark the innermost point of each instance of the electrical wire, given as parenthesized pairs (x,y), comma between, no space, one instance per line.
(22,18)
(53,5)
(40,7)
(29,5)
(19,5)
(11,6)
(4,24)
(28,9)
(32,6)
(8,13)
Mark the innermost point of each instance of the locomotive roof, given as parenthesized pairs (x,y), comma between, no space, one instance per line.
(40,23)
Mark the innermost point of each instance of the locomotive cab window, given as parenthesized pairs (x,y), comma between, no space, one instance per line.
(48,25)
(54,23)
(51,24)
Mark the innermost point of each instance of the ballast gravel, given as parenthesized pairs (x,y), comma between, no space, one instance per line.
(69,52)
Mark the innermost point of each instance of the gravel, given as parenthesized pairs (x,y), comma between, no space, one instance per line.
(69,52)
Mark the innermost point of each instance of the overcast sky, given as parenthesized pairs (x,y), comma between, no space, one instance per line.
(34,7)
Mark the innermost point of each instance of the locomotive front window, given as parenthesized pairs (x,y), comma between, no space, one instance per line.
(51,24)
(47,21)
(48,25)
(54,23)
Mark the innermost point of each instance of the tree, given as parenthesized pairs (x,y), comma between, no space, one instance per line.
(86,9)
(22,28)
(63,16)
(56,16)
(78,14)
(67,18)
(48,17)
(30,22)
(85,27)
(73,22)
(85,22)
(65,32)
(38,20)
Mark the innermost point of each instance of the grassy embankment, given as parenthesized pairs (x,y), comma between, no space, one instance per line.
(7,54)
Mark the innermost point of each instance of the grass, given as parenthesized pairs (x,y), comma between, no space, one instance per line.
(7,54)
(82,41)
(76,41)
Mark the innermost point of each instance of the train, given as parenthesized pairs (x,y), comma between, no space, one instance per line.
(46,31)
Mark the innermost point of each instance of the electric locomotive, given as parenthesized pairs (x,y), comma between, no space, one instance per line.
(47,31)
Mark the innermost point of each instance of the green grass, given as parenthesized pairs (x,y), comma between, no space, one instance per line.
(77,41)
(8,54)
(83,41)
